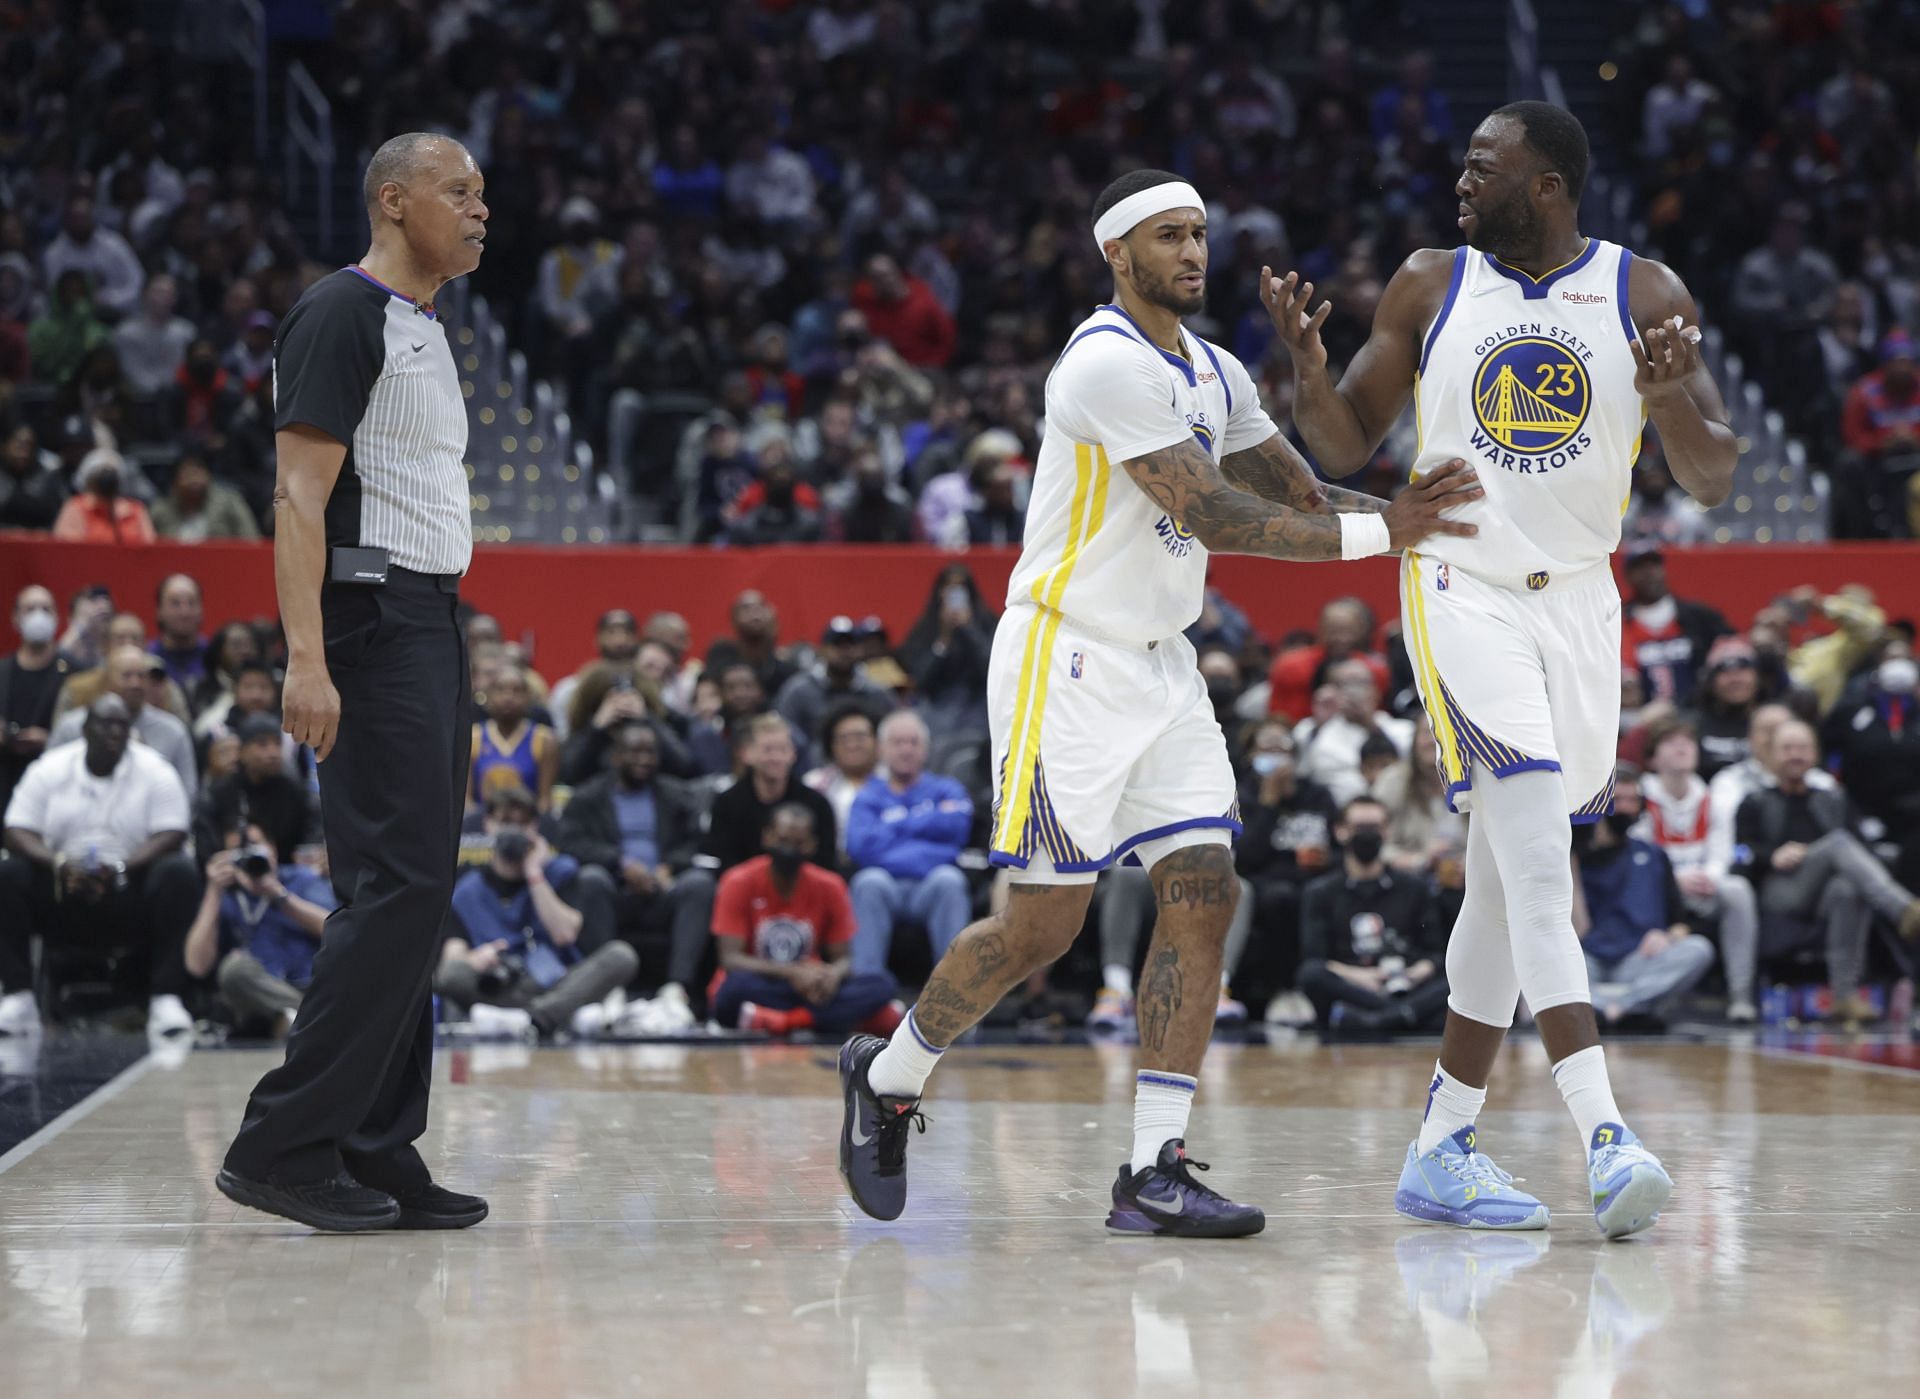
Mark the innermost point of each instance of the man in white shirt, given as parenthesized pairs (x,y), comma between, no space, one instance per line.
(95,837)
(106,258)
(128,670)
(1330,748)
(152,345)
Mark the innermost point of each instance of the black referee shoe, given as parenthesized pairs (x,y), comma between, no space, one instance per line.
(436,1207)
(338,1206)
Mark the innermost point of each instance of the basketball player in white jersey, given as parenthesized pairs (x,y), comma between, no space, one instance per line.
(1156,452)
(1538,355)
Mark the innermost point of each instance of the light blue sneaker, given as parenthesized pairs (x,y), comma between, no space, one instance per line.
(1454,1184)
(1630,1186)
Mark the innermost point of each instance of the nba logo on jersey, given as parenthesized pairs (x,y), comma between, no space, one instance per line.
(1536,581)
(1442,578)
(1078,664)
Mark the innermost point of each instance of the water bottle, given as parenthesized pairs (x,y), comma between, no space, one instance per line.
(1776,1004)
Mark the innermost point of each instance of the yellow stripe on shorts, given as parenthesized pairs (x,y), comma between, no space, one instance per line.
(1414,605)
(1086,514)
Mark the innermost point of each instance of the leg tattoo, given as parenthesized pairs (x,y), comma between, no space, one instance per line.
(1160,996)
(989,961)
(997,954)
(1196,890)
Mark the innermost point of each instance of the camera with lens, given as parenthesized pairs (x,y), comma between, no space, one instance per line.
(501,976)
(512,845)
(254,861)
(1398,983)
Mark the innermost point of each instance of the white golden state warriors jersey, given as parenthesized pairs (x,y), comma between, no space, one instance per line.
(1097,548)
(1531,383)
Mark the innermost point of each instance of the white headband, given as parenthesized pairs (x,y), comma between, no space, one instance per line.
(1118,221)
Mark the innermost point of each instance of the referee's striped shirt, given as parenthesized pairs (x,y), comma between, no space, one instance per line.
(370,368)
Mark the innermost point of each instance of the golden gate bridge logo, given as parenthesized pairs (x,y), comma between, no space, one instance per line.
(1531,395)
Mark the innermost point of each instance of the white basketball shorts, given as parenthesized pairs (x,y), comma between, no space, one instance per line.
(1101,748)
(1518,679)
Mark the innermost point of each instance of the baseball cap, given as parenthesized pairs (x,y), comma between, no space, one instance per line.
(842,628)
(1644,549)
(258,726)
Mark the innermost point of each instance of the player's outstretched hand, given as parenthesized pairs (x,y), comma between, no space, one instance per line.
(1663,357)
(1419,510)
(1287,301)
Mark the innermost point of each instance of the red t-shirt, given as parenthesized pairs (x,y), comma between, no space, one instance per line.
(794,928)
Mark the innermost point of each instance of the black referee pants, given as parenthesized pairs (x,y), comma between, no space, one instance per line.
(353,1089)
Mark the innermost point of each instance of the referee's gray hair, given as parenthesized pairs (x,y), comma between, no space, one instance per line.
(399,160)
(905,716)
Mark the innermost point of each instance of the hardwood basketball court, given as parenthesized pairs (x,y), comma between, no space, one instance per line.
(668,1219)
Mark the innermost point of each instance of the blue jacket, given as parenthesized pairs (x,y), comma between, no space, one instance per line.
(909,834)
(270,934)
(484,915)
(1629,892)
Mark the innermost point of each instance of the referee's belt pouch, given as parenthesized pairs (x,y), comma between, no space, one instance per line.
(352,605)
(357,567)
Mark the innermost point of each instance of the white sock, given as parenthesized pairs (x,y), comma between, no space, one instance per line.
(900,1070)
(1117,978)
(1161,1102)
(1451,1105)
(1584,1084)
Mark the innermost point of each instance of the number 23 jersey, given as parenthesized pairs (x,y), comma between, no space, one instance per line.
(1531,383)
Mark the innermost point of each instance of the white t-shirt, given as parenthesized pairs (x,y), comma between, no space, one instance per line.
(75,812)
(1330,752)
(1097,547)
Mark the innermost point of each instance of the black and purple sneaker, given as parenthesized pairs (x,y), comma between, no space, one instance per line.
(1166,1199)
(873,1133)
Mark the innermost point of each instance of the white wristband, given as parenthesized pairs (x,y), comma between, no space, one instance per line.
(1363,536)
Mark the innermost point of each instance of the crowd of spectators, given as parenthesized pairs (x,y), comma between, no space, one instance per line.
(161,830)
(1771,151)
(783,315)
(799,270)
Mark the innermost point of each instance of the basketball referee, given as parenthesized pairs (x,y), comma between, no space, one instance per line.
(371,537)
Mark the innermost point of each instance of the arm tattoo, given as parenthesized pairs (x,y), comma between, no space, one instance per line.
(1184,481)
(1342,501)
(1160,995)
(1275,471)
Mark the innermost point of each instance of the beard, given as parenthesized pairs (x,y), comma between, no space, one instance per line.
(1161,292)
(1510,231)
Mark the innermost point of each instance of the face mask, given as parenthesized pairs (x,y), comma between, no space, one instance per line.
(1267,764)
(1620,823)
(1897,676)
(1364,844)
(1221,693)
(786,863)
(38,626)
(106,484)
